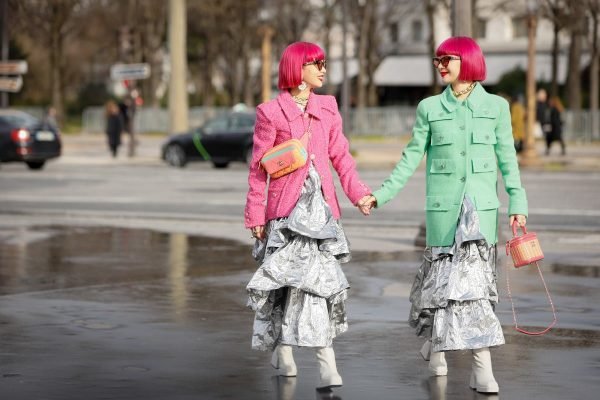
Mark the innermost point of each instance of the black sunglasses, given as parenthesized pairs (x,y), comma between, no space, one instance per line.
(319,63)
(444,60)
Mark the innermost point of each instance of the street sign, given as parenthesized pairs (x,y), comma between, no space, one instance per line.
(15,67)
(11,84)
(122,72)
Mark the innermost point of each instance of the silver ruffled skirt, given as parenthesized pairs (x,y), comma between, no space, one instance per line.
(299,290)
(454,293)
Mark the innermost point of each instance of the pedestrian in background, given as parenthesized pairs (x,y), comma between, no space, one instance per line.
(542,114)
(555,132)
(114,127)
(466,134)
(49,120)
(517,121)
(299,290)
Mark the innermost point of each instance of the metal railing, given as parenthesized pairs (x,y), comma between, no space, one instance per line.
(580,126)
(148,119)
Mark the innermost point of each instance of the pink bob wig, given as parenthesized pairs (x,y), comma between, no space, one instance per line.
(472,64)
(292,59)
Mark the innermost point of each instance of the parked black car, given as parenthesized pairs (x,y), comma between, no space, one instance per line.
(220,140)
(26,139)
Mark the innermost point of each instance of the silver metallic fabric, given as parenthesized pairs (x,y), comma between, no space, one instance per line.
(454,293)
(298,293)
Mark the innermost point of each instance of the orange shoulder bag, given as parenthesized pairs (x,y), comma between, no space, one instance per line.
(286,157)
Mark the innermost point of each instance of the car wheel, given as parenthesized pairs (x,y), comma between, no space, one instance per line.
(248,155)
(175,156)
(35,164)
(221,164)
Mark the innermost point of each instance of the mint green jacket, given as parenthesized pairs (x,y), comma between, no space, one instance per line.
(466,142)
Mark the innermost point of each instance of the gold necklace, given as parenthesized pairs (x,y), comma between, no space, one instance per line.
(467,90)
(300,100)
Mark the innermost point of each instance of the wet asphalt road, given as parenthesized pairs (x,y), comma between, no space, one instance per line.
(91,312)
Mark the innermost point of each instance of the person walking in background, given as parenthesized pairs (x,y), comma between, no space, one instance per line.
(299,290)
(114,127)
(517,121)
(49,119)
(542,114)
(555,132)
(466,134)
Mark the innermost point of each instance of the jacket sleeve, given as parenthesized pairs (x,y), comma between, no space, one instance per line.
(411,158)
(507,163)
(342,161)
(264,138)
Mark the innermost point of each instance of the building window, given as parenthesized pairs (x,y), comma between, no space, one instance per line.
(519,25)
(479,27)
(417,31)
(394,32)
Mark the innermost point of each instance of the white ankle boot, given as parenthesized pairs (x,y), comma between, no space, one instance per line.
(283,360)
(437,364)
(482,377)
(437,360)
(328,369)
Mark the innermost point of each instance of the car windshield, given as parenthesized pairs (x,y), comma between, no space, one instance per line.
(18,119)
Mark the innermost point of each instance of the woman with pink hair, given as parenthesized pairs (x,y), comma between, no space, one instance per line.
(467,135)
(299,290)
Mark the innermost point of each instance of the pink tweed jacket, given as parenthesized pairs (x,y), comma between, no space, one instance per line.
(279,120)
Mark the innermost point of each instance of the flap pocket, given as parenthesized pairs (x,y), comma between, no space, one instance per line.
(484,137)
(484,165)
(442,166)
(439,138)
(483,202)
(485,112)
(439,115)
(438,203)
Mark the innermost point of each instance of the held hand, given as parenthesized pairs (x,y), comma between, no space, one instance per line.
(366,204)
(258,232)
(521,220)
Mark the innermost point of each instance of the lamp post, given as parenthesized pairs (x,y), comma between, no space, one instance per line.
(529,155)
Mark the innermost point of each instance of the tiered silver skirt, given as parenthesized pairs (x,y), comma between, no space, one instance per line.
(298,293)
(454,293)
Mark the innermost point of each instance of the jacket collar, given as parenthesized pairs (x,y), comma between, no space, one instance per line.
(292,111)
(475,100)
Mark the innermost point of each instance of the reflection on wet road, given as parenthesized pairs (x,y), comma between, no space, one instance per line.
(113,313)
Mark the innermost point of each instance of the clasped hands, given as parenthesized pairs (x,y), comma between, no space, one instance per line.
(366,203)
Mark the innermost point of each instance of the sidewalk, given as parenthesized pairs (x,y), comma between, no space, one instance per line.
(380,153)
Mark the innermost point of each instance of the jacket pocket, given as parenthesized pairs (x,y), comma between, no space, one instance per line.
(484,165)
(441,138)
(438,203)
(486,202)
(442,125)
(484,137)
(442,166)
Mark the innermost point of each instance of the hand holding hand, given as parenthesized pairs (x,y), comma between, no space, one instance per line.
(366,204)
(258,232)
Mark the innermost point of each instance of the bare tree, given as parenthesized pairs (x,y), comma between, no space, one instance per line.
(50,23)
(594,13)
(577,30)
(556,12)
